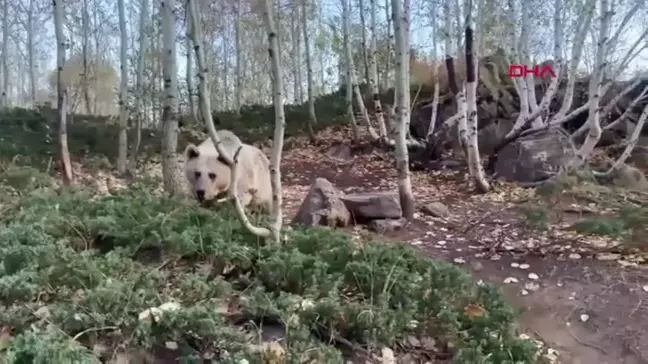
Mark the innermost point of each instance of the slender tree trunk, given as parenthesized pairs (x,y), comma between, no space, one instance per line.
(30,53)
(472,65)
(346,24)
(363,30)
(139,87)
(239,76)
(632,142)
(122,157)
(170,170)
(62,97)
(390,43)
(205,105)
(400,19)
(312,117)
(280,121)
(190,75)
(226,65)
(4,97)
(595,85)
(85,76)
(373,75)
(296,53)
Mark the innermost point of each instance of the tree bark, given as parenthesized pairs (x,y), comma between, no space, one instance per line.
(170,170)
(122,150)
(401,21)
(139,87)
(62,97)
(348,60)
(312,117)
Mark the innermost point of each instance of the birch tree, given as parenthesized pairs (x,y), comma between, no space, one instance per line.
(595,85)
(170,171)
(363,33)
(400,20)
(85,39)
(274,230)
(312,117)
(122,149)
(62,96)
(4,98)
(373,74)
(296,56)
(239,76)
(139,86)
(475,167)
(348,59)
(189,71)
(30,52)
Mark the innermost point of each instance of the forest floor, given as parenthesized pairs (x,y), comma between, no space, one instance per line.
(583,295)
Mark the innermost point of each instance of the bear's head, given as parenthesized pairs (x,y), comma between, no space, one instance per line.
(208,174)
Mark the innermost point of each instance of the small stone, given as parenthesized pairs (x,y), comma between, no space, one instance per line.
(441,242)
(574,256)
(459,260)
(515,265)
(524,266)
(524,292)
(382,226)
(510,280)
(532,286)
(436,209)
(584,317)
(533,276)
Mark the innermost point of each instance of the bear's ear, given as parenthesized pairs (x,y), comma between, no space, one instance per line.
(191,152)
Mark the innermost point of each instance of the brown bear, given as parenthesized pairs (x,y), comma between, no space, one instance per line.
(210,177)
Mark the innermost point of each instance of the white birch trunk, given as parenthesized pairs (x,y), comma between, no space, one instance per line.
(85,20)
(139,86)
(62,92)
(296,59)
(626,113)
(594,90)
(122,149)
(280,121)
(360,102)
(390,47)
(170,174)
(348,60)
(577,51)
(4,97)
(521,82)
(205,106)
(401,21)
(373,75)
(30,53)
(363,33)
(189,75)
(472,146)
(634,138)
(239,70)
(312,117)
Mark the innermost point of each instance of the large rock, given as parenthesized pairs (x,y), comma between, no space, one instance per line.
(535,157)
(491,135)
(373,206)
(323,206)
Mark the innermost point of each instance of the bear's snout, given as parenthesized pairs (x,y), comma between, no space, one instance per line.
(200,195)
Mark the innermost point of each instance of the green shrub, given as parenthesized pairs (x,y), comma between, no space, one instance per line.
(96,263)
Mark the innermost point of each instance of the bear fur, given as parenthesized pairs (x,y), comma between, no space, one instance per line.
(209,176)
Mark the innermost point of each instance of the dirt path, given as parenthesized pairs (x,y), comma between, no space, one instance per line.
(589,310)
